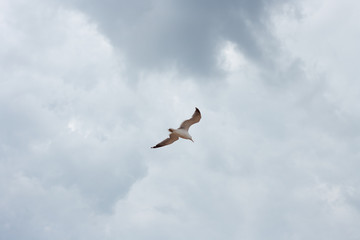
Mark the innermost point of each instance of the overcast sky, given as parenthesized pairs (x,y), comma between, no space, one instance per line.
(87,87)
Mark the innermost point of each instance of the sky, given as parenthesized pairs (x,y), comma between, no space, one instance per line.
(87,87)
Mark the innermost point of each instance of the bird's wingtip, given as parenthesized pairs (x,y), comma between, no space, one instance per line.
(197,110)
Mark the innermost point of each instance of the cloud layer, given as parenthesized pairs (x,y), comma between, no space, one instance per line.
(87,88)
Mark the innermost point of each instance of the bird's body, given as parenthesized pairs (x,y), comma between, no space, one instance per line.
(182,131)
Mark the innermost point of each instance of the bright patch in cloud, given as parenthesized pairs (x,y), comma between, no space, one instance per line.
(230,58)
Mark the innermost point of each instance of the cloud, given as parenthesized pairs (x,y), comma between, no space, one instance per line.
(185,34)
(275,154)
(60,105)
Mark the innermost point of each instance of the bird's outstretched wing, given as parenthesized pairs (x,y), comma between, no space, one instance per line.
(172,138)
(194,119)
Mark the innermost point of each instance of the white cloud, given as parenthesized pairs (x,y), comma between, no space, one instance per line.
(64,71)
(230,58)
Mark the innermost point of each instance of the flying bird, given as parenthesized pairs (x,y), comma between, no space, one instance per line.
(182,131)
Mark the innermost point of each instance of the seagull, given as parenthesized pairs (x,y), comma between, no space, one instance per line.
(182,131)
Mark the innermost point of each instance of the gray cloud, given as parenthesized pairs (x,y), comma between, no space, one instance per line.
(188,34)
